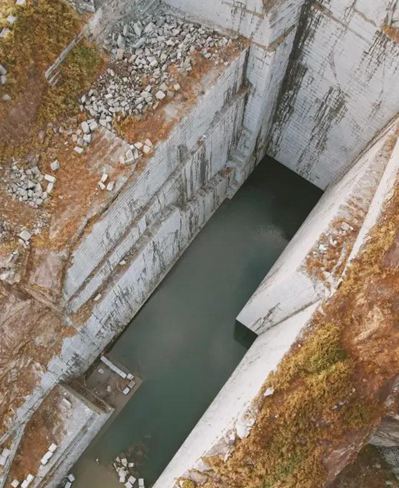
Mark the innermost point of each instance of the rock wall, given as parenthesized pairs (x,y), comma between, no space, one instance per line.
(192,155)
(230,414)
(233,412)
(132,245)
(271,28)
(304,272)
(340,88)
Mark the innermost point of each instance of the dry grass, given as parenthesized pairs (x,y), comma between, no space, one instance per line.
(42,30)
(77,73)
(391,32)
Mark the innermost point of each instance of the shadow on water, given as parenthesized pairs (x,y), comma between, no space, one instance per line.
(185,342)
(243,336)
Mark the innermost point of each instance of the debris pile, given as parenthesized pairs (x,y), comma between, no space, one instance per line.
(144,53)
(83,135)
(124,470)
(29,185)
(128,377)
(132,155)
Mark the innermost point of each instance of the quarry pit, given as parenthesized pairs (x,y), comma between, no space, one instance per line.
(127,125)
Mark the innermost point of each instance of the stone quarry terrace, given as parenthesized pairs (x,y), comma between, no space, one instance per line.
(150,73)
(92,219)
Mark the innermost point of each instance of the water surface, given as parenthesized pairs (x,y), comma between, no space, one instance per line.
(185,342)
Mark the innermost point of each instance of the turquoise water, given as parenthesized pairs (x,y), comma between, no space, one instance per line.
(185,341)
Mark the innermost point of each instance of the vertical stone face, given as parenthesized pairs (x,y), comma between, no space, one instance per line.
(270,26)
(262,21)
(339,89)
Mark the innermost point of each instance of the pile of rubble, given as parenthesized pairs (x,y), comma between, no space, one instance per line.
(124,470)
(140,76)
(29,185)
(83,135)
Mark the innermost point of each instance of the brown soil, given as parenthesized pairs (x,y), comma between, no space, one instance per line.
(44,428)
(32,334)
(392,32)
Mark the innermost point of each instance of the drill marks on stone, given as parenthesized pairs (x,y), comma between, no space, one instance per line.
(293,79)
(379,56)
(332,109)
(317,75)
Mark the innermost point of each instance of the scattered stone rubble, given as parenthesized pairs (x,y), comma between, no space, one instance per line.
(83,135)
(125,471)
(29,185)
(130,381)
(144,52)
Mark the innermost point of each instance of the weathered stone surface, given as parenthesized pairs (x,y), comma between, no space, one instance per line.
(339,89)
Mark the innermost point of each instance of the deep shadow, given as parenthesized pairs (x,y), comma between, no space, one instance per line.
(243,335)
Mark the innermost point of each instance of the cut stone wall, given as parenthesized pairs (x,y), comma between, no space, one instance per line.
(339,90)
(271,31)
(233,413)
(337,219)
(217,119)
(132,245)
